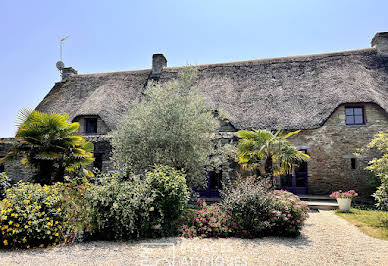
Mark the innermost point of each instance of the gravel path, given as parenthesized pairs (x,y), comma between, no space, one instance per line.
(326,240)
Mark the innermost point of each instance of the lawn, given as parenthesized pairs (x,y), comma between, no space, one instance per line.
(372,222)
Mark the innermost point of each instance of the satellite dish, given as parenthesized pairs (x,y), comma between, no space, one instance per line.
(60,65)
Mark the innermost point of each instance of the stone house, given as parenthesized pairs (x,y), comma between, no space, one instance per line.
(339,100)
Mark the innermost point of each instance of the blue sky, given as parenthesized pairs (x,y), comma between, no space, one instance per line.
(112,35)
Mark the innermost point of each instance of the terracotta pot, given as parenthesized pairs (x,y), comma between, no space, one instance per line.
(344,204)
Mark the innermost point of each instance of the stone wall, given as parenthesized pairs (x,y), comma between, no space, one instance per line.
(331,148)
(14,169)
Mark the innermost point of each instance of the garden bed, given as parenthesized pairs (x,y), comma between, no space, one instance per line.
(326,239)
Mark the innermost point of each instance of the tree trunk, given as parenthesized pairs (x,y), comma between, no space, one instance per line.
(269,171)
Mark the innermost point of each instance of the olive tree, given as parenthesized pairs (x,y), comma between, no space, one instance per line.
(170,125)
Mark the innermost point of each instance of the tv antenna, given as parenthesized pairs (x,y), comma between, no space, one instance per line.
(60,46)
(60,65)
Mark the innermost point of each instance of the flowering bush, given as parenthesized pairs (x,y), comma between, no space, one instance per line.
(248,203)
(208,221)
(78,208)
(344,195)
(31,216)
(287,213)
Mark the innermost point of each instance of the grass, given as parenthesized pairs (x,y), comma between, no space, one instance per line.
(374,223)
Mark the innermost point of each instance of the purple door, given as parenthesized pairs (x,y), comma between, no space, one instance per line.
(213,186)
(297,182)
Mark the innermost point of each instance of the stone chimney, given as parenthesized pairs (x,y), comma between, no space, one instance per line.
(67,72)
(380,42)
(158,62)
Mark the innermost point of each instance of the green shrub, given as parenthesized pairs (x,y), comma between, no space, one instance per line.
(248,202)
(288,213)
(32,215)
(208,221)
(138,207)
(170,195)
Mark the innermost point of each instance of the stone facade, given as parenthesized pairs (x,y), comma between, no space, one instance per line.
(332,146)
(14,169)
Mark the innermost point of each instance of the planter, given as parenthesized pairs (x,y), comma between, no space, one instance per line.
(344,204)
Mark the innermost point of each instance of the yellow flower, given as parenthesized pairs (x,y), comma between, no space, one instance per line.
(59,209)
(17,225)
(24,240)
(56,234)
(5,218)
(41,245)
(26,226)
(10,222)
(2,211)
(56,222)
(47,218)
(29,222)
(5,242)
(9,204)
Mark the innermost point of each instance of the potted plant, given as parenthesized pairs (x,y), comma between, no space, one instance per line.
(344,199)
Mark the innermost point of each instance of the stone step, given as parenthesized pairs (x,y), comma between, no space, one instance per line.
(315,198)
(322,205)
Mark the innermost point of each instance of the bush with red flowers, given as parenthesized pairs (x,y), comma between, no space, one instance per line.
(287,213)
(207,221)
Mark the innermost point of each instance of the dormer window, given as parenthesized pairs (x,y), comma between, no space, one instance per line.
(90,125)
(355,115)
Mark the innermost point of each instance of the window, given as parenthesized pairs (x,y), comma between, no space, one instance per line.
(98,161)
(353,163)
(90,125)
(354,115)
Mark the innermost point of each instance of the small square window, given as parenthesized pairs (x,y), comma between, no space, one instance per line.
(90,125)
(354,116)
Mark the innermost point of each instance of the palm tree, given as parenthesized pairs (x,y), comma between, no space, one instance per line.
(269,152)
(48,143)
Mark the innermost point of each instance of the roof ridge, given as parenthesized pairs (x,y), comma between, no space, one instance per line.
(306,57)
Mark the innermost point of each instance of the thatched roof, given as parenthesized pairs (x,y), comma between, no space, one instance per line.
(297,92)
